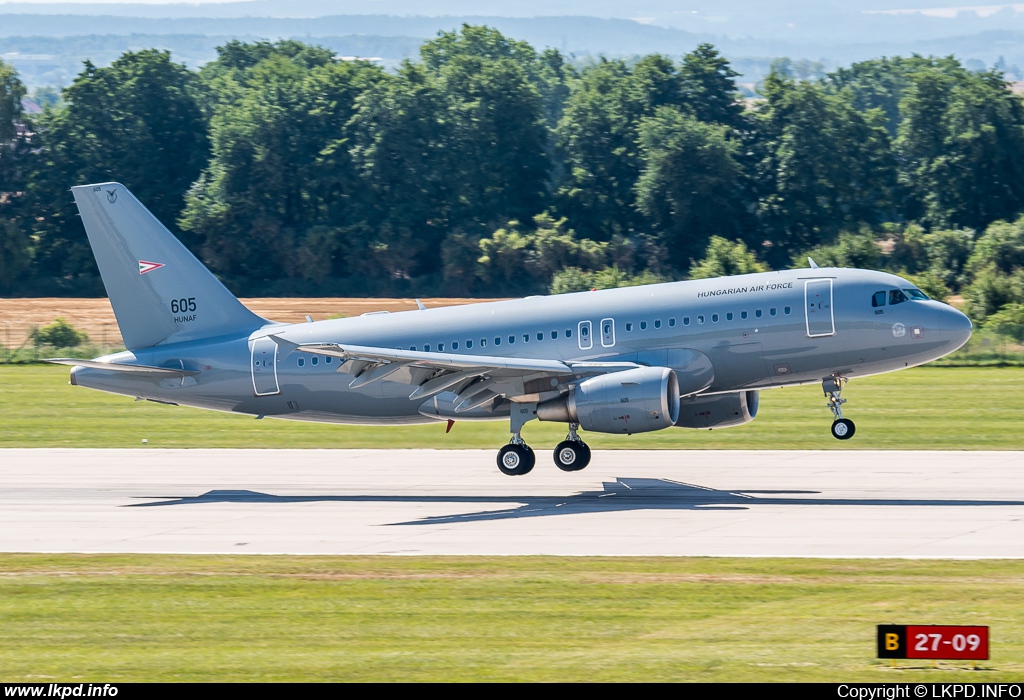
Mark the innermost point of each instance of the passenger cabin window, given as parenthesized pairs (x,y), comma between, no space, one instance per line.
(672,322)
(554,335)
(878,299)
(772,311)
(426,348)
(758,313)
(728,316)
(469,344)
(328,359)
(301,362)
(440,347)
(743,314)
(511,340)
(412,347)
(568,332)
(787,310)
(629,327)
(643,325)
(714,318)
(657,323)
(497,340)
(455,345)
(315,359)
(540,335)
(686,320)
(526,337)
(896,296)
(700,318)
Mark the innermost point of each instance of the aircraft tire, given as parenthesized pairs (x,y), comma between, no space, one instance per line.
(843,429)
(516,460)
(572,455)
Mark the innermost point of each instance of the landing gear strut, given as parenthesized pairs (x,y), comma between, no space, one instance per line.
(572,454)
(842,428)
(517,458)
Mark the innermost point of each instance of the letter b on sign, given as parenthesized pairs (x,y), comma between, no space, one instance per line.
(892,642)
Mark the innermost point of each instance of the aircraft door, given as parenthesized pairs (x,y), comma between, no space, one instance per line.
(586,342)
(818,308)
(264,367)
(607,332)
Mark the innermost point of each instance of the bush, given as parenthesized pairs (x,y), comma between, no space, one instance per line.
(1008,321)
(724,257)
(59,334)
(573,279)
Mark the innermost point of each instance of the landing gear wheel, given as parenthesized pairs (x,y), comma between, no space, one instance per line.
(843,429)
(572,455)
(516,459)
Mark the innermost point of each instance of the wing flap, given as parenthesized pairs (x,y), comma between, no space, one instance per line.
(439,360)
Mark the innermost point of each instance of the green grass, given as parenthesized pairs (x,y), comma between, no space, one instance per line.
(925,408)
(203,618)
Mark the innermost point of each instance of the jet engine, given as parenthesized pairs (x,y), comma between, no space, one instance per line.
(718,411)
(633,401)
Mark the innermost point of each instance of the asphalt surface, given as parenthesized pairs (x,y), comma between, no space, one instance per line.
(706,503)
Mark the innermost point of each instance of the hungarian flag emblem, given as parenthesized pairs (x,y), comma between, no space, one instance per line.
(146,266)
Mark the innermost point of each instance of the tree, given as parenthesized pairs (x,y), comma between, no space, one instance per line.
(823,166)
(961,149)
(136,122)
(15,242)
(280,189)
(11,92)
(598,140)
(692,185)
(724,257)
(707,84)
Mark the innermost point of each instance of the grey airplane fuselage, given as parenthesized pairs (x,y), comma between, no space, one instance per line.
(759,331)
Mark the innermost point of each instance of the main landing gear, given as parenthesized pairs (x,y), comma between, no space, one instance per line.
(842,428)
(572,454)
(517,458)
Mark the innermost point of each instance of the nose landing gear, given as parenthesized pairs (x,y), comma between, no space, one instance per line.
(572,454)
(842,428)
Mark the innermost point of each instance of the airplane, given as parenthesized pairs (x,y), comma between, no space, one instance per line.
(692,354)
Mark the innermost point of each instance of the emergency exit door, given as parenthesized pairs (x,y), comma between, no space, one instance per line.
(264,367)
(818,308)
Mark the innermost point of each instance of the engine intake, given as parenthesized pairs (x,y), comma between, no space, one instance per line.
(718,411)
(633,401)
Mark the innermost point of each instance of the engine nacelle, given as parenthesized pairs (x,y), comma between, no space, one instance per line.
(633,401)
(718,411)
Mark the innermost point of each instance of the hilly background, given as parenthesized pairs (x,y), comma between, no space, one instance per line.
(47,42)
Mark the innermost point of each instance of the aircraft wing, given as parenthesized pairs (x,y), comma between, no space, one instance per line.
(476,379)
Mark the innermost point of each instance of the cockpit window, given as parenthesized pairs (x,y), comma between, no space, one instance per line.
(878,299)
(916,294)
(897,296)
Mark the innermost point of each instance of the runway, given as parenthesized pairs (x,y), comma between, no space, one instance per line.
(405,502)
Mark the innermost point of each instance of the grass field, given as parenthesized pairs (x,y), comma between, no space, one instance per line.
(926,408)
(171,618)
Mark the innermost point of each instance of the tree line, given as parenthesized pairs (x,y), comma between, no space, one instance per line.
(489,168)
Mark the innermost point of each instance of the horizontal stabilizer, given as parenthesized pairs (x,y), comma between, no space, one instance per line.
(133,369)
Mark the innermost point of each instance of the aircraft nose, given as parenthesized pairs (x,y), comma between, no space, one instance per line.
(957,326)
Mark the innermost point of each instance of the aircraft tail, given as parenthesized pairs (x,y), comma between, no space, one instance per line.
(160,292)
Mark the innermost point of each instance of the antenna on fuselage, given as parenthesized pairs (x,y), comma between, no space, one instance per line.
(814,265)
(420,305)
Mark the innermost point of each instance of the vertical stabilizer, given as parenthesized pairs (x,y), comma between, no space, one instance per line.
(160,292)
